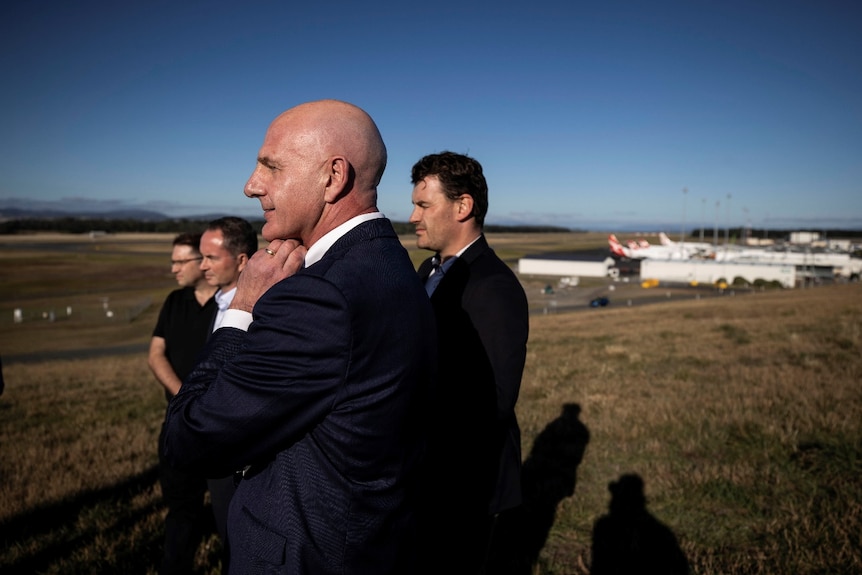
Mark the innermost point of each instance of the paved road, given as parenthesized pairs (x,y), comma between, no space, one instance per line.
(572,299)
(565,300)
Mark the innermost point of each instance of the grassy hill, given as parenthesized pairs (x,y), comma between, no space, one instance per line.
(738,420)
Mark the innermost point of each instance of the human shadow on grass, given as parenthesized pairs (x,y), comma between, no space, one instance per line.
(630,540)
(548,475)
(57,526)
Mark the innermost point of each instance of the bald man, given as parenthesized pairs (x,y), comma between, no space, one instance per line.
(315,385)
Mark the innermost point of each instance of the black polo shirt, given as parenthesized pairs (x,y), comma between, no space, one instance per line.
(185,326)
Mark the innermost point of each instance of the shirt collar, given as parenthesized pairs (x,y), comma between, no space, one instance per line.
(321,246)
(464,249)
(435,260)
(223,298)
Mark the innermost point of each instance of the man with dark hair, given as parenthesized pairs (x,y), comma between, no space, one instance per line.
(226,246)
(182,329)
(473,469)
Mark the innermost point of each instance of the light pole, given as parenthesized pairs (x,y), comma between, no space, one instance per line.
(682,231)
(727,223)
(715,226)
(702,220)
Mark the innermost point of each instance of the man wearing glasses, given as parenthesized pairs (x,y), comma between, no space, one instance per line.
(184,324)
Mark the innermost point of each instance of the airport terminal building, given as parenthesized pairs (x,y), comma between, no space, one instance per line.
(788,269)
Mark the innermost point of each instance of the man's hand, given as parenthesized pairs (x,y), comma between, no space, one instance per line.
(280,259)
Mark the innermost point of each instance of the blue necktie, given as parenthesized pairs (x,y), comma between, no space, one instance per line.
(435,277)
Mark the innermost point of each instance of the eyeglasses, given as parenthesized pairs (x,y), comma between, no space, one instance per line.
(184,262)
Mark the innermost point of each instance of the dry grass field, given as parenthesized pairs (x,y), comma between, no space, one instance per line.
(739,418)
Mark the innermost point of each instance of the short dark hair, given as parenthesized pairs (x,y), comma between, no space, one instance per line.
(458,174)
(239,236)
(193,240)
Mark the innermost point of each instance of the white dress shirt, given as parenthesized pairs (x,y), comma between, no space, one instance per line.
(241,319)
(223,300)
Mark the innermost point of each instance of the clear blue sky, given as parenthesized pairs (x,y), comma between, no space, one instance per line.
(591,115)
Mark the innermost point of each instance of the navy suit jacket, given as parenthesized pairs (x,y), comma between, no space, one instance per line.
(482,326)
(325,398)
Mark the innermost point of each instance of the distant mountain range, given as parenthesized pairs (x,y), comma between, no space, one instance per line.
(9,213)
(124,219)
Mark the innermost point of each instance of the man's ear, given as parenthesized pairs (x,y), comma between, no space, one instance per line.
(338,179)
(464,207)
(241,261)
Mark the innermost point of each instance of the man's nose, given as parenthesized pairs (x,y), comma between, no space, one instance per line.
(252,187)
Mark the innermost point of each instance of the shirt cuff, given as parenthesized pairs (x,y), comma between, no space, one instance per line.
(237,318)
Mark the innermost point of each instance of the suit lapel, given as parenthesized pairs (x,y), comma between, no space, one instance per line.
(458,273)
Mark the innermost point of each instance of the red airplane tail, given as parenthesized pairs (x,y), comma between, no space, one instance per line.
(616,246)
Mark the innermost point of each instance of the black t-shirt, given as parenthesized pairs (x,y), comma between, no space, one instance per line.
(185,326)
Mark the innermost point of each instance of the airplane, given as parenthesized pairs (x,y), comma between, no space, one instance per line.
(724,252)
(618,249)
(699,249)
(666,241)
(648,252)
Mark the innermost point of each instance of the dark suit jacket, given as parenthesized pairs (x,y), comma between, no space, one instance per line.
(482,326)
(324,396)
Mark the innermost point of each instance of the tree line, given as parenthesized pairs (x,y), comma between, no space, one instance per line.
(83,225)
(73,225)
